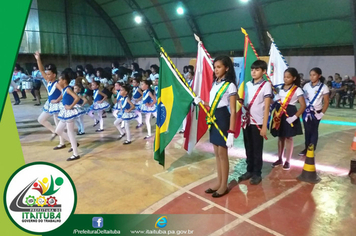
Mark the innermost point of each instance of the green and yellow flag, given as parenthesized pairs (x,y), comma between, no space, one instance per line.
(173,102)
(250,56)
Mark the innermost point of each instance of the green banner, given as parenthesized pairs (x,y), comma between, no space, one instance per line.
(13,17)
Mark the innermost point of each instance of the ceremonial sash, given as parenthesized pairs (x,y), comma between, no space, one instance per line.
(51,87)
(95,93)
(246,117)
(277,115)
(310,110)
(218,96)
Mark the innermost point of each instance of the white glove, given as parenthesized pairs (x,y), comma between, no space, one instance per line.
(290,120)
(319,115)
(197,100)
(230,140)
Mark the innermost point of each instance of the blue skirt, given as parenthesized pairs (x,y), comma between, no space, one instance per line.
(223,121)
(285,129)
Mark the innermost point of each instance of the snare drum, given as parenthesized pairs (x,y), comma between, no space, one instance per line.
(28,85)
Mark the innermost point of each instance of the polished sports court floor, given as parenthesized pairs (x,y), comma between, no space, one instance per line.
(112,178)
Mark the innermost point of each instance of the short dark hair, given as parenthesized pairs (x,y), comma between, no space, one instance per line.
(89,68)
(259,64)
(17,66)
(96,82)
(79,68)
(137,79)
(115,64)
(154,66)
(80,73)
(135,66)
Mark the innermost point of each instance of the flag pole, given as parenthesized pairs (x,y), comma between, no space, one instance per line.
(254,50)
(202,45)
(270,37)
(187,85)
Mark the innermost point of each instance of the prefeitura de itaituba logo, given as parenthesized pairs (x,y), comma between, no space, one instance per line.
(39,199)
(43,207)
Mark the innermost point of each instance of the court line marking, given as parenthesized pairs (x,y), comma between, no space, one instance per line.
(255,211)
(207,207)
(240,217)
(164,201)
(158,205)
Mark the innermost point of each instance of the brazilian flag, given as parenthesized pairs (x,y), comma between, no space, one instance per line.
(173,102)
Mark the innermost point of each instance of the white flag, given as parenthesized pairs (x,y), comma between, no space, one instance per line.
(276,65)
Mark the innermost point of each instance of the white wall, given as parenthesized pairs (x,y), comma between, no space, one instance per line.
(145,63)
(328,64)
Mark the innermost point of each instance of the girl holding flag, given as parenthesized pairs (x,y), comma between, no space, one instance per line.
(222,94)
(285,117)
(315,92)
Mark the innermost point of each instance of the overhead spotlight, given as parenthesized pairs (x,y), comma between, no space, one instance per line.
(180,10)
(138,19)
(244,0)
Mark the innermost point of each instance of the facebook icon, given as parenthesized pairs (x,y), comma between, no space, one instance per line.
(98,222)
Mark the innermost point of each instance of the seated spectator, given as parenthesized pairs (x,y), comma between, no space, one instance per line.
(329,82)
(336,90)
(348,86)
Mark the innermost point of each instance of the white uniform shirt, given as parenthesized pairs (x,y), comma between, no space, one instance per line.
(258,107)
(225,100)
(310,91)
(90,78)
(133,74)
(104,81)
(36,75)
(283,93)
(72,83)
(154,76)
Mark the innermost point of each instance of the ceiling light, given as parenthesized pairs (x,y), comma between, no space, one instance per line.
(138,19)
(180,10)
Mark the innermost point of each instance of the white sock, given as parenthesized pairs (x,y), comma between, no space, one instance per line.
(101,120)
(64,135)
(127,128)
(60,130)
(148,123)
(118,125)
(43,120)
(139,117)
(71,135)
